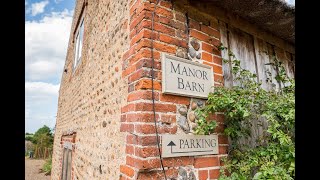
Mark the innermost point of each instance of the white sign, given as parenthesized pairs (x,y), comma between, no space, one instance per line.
(67,145)
(186,78)
(189,145)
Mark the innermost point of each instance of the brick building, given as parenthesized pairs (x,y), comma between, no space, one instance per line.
(105,127)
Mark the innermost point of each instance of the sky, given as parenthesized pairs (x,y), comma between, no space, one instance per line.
(47,30)
(292,2)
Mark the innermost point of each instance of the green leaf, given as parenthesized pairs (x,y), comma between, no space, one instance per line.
(246,105)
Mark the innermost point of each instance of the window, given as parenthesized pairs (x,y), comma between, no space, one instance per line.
(78,43)
(66,163)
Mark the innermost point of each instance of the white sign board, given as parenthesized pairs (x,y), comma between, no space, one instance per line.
(67,145)
(186,78)
(189,145)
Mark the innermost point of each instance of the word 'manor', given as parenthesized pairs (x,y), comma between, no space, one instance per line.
(189,72)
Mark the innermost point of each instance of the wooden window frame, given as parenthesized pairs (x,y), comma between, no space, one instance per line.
(78,43)
(76,33)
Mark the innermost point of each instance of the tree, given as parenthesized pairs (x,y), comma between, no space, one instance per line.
(29,138)
(273,155)
(43,137)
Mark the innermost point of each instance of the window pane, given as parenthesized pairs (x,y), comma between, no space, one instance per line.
(78,44)
(81,39)
(76,51)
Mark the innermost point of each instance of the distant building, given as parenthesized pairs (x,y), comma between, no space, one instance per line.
(28,145)
(105,127)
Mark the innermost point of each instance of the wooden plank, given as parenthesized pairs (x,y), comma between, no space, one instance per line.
(291,64)
(281,56)
(64,164)
(241,44)
(262,58)
(293,57)
(271,53)
(69,167)
(226,67)
(236,21)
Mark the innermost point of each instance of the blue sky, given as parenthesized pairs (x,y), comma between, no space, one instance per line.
(47,30)
(292,2)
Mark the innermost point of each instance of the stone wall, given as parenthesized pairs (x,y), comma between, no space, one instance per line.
(177,34)
(90,98)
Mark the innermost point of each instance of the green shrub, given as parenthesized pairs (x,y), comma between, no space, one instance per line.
(47,166)
(273,157)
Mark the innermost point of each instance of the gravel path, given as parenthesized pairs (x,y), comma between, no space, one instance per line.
(32,170)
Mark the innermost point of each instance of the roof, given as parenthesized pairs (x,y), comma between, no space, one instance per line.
(274,16)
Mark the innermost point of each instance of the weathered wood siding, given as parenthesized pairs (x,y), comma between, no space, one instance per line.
(254,55)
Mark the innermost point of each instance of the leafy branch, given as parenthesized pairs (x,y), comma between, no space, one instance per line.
(273,155)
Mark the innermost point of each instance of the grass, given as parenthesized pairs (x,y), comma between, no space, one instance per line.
(47,166)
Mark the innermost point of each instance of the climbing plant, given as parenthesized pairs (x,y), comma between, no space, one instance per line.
(273,155)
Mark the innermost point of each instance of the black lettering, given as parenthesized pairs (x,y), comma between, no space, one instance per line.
(191,72)
(198,76)
(180,82)
(198,145)
(181,142)
(184,71)
(186,143)
(208,143)
(205,75)
(175,70)
(201,87)
(188,85)
(194,86)
(213,143)
(192,143)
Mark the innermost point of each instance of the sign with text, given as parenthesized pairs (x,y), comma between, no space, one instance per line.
(186,78)
(189,145)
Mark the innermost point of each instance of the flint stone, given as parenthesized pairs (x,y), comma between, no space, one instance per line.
(182,122)
(195,44)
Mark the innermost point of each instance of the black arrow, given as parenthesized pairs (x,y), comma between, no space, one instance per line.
(171,144)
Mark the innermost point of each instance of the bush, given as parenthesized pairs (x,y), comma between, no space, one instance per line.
(47,166)
(43,137)
(273,157)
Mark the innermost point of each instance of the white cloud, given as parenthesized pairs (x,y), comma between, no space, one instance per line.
(40,105)
(57,1)
(291,2)
(41,88)
(38,8)
(46,43)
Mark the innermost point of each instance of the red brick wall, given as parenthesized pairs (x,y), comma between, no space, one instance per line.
(170,36)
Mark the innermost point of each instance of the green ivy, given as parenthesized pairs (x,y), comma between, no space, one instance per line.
(273,156)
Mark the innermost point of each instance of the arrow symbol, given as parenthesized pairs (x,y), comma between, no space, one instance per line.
(171,144)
